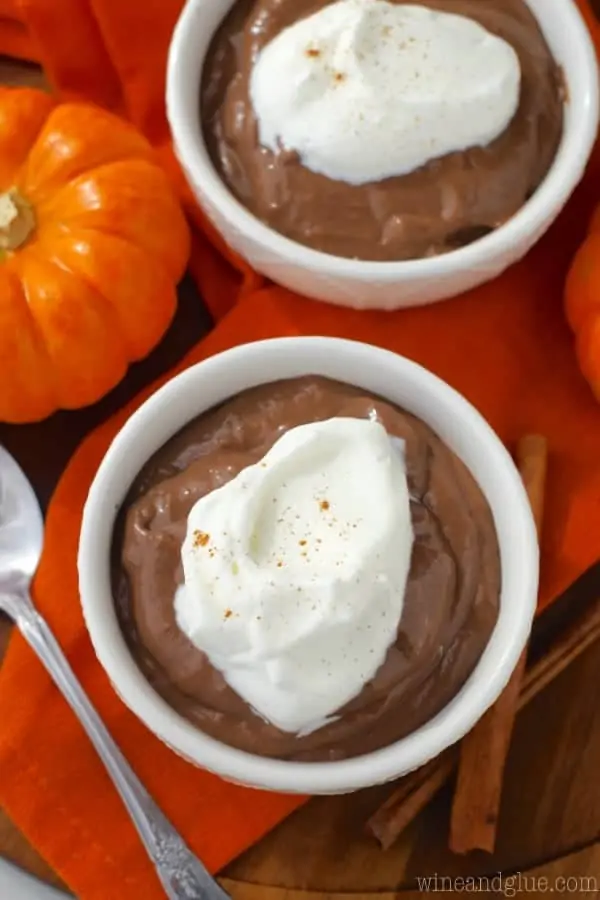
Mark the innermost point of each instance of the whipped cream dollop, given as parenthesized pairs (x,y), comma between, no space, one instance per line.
(295,571)
(365,90)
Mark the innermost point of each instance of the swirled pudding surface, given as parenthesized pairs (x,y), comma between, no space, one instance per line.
(452,595)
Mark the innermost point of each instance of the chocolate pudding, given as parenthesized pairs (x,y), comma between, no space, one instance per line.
(446,203)
(451,601)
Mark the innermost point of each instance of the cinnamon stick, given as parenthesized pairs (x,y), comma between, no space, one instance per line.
(415,791)
(412,796)
(483,752)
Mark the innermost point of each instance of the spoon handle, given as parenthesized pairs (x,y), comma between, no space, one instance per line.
(182,875)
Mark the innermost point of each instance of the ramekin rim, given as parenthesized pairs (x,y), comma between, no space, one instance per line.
(551,195)
(290,776)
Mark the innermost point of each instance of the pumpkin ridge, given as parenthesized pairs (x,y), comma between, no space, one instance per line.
(64,229)
(55,258)
(582,285)
(41,192)
(158,194)
(40,337)
(25,111)
(587,338)
(586,322)
(106,312)
(20,345)
(104,302)
(140,163)
(77,138)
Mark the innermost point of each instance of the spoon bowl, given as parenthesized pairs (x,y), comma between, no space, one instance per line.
(21,527)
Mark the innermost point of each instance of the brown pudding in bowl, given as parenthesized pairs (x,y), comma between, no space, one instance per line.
(450,201)
(451,601)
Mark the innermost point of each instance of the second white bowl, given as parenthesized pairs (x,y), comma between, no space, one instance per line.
(405,384)
(383,285)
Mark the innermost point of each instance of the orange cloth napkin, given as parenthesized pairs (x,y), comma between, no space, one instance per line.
(505,346)
(16,38)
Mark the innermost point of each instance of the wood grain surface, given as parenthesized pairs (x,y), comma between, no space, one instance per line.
(550,815)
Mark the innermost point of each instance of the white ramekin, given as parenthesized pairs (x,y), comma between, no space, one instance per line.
(387,285)
(401,381)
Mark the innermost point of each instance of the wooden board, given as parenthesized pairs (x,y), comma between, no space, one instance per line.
(550,821)
(551,810)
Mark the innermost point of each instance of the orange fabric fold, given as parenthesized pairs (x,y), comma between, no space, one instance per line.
(506,346)
(58,793)
(16,40)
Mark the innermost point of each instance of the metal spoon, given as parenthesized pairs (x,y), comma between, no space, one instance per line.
(182,875)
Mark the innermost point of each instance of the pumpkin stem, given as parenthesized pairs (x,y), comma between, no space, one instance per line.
(17,220)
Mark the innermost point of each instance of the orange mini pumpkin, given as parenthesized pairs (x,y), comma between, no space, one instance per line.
(92,244)
(582,303)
